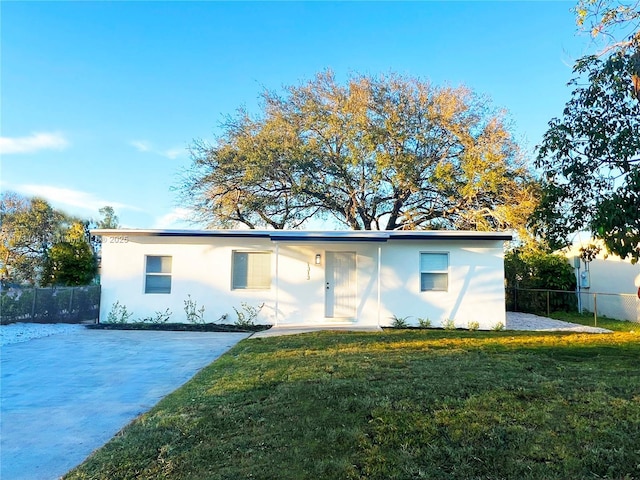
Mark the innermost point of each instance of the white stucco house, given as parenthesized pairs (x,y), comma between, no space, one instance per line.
(306,278)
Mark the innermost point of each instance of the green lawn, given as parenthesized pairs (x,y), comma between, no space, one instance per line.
(402,404)
(602,322)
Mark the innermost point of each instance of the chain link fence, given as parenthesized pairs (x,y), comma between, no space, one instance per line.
(50,305)
(621,306)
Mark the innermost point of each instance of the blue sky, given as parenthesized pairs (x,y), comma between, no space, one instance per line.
(100,100)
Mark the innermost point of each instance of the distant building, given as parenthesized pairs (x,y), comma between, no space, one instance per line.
(615,279)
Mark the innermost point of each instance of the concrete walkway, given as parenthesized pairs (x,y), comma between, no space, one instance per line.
(536,323)
(515,321)
(64,396)
(280,330)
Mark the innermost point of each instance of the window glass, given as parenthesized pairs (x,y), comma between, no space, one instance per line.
(434,271)
(251,270)
(433,281)
(158,274)
(434,262)
(158,264)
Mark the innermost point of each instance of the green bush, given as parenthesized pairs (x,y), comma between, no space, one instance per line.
(424,323)
(538,270)
(247,314)
(449,324)
(399,322)
(194,314)
(118,314)
(158,317)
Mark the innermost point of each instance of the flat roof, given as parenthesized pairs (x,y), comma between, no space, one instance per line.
(316,235)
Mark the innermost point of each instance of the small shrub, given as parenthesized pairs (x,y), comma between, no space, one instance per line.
(424,323)
(194,314)
(118,314)
(158,317)
(247,314)
(498,327)
(473,326)
(449,324)
(399,322)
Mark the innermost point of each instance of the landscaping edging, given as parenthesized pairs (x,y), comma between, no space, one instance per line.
(179,327)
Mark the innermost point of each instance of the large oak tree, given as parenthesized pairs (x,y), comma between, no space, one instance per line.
(385,152)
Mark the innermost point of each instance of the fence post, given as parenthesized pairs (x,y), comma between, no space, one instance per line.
(548,308)
(595,310)
(71,304)
(33,304)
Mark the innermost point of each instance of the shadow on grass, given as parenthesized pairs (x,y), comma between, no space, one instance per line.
(397,404)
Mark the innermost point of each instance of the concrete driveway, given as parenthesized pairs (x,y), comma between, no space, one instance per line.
(63,396)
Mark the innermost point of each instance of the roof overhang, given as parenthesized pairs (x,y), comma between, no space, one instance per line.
(317,236)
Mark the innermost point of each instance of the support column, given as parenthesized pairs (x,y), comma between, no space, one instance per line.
(379,281)
(277,283)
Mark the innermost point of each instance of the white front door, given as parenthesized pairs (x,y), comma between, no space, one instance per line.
(340,285)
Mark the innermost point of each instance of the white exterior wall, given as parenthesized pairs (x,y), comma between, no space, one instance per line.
(476,284)
(618,280)
(201,268)
(302,285)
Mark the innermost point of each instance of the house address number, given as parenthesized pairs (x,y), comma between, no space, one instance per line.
(118,239)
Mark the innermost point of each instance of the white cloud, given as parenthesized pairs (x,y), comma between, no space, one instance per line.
(140,145)
(33,143)
(178,217)
(173,153)
(68,197)
(144,146)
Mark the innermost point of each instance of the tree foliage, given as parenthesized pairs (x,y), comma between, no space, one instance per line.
(29,228)
(109,218)
(70,263)
(530,269)
(591,158)
(37,240)
(537,269)
(376,153)
(615,20)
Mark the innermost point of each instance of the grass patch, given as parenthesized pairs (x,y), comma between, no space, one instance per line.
(603,322)
(401,404)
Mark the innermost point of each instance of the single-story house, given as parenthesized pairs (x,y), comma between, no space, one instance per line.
(307,278)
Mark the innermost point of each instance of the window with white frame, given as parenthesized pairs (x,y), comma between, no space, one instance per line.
(251,270)
(434,271)
(157,274)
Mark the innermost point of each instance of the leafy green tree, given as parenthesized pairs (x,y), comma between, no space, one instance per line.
(36,238)
(537,269)
(109,218)
(591,156)
(376,153)
(29,229)
(70,263)
(10,205)
(529,269)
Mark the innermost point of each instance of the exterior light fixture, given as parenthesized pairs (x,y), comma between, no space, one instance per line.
(318,258)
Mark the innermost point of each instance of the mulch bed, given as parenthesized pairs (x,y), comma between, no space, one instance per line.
(179,327)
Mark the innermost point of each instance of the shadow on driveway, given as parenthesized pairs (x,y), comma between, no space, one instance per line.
(64,396)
